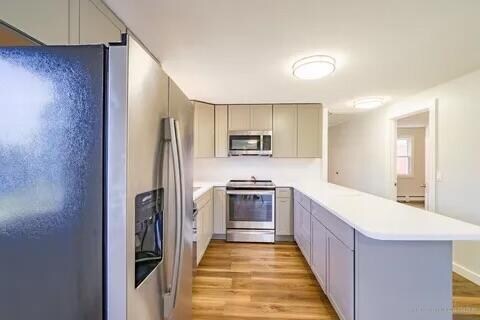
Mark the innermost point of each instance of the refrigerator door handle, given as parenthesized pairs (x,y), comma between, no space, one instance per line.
(169,297)
(182,200)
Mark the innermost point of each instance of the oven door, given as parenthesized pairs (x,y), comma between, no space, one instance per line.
(251,209)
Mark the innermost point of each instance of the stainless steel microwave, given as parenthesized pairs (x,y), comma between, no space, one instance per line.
(250,143)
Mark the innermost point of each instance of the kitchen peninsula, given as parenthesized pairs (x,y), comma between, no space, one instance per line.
(374,258)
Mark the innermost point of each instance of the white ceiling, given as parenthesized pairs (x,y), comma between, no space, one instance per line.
(241,51)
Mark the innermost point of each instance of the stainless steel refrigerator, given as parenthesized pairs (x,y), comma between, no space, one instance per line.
(96,148)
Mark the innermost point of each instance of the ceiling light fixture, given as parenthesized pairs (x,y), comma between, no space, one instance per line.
(314,67)
(369,102)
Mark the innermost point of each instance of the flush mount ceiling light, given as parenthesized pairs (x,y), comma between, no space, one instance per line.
(314,67)
(368,102)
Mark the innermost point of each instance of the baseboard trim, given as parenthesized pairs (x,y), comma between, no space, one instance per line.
(217,236)
(411,198)
(280,238)
(467,273)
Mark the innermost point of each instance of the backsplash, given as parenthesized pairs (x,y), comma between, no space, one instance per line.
(276,169)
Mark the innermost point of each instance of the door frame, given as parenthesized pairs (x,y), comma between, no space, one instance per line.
(431,147)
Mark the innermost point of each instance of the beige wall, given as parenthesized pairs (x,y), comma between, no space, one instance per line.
(411,186)
(359,151)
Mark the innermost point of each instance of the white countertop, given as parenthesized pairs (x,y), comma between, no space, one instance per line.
(376,217)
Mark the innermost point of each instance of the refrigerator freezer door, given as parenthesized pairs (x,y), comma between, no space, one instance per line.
(51,182)
(138,101)
(181,109)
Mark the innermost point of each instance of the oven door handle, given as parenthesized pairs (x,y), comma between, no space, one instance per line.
(251,192)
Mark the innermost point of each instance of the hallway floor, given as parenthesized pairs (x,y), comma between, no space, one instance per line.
(238,281)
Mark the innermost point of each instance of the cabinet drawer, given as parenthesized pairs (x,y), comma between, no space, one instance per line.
(337,227)
(302,199)
(283,193)
(204,199)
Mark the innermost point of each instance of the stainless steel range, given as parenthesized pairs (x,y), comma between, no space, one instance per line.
(250,211)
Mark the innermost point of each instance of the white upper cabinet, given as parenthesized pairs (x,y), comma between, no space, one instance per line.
(239,117)
(221,131)
(204,130)
(250,117)
(261,117)
(285,131)
(96,25)
(62,22)
(46,21)
(309,131)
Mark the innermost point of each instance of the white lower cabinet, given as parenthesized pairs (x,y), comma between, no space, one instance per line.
(204,223)
(283,212)
(219,212)
(331,260)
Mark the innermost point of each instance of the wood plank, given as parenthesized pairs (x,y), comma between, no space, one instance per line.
(240,281)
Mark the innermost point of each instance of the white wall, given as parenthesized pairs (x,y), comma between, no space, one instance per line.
(412,185)
(359,151)
(284,170)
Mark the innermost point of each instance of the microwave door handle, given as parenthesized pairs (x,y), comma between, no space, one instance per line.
(169,296)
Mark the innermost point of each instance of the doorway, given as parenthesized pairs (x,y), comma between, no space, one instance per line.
(404,145)
(411,159)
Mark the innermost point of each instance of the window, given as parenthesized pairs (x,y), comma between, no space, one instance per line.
(404,156)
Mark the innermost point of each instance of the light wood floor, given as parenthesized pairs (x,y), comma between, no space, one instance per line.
(238,281)
(466,299)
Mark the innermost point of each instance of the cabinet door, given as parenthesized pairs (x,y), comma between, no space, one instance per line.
(310,131)
(285,131)
(46,20)
(95,26)
(319,252)
(221,131)
(340,283)
(306,234)
(296,222)
(200,233)
(261,117)
(219,211)
(284,217)
(239,117)
(204,130)
(210,221)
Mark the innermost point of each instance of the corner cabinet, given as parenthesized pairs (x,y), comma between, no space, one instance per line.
(204,130)
(297,130)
